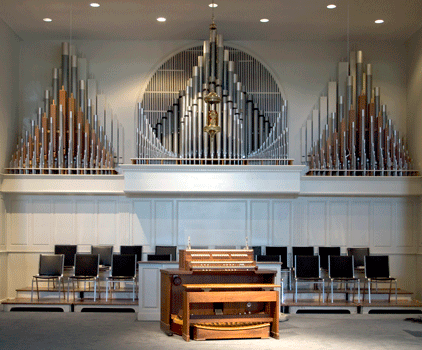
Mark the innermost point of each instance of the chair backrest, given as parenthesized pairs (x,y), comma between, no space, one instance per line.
(51,265)
(105,252)
(257,250)
(281,251)
(69,252)
(268,258)
(377,266)
(87,265)
(359,255)
(166,249)
(324,252)
(159,257)
(123,265)
(307,266)
(132,249)
(341,267)
(299,251)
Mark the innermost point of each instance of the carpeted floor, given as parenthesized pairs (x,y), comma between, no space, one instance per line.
(41,330)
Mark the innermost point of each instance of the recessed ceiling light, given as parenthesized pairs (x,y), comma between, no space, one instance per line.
(94,4)
(213,5)
(379,21)
(47,19)
(264,20)
(332,6)
(161,19)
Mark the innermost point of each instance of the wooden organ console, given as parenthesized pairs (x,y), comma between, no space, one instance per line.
(219,294)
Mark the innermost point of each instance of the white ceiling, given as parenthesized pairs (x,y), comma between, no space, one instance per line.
(236,19)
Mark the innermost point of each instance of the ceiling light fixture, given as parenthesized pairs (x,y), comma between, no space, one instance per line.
(264,20)
(379,21)
(94,4)
(161,19)
(213,4)
(47,20)
(332,6)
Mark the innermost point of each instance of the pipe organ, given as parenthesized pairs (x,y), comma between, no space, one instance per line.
(176,135)
(68,135)
(350,134)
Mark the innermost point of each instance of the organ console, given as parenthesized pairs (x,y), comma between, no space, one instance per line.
(219,294)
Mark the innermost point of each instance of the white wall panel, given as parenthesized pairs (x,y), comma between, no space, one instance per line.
(164,219)
(299,222)
(2,223)
(404,230)
(41,223)
(18,222)
(3,275)
(359,224)
(282,223)
(259,221)
(64,222)
(382,224)
(142,223)
(150,300)
(212,222)
(124,229)
(106,222)
(85,222)
(317,218)
(338,217)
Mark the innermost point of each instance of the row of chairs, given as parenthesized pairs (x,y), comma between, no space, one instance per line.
(273,253)
(162,253)
(86,269)
(341,269)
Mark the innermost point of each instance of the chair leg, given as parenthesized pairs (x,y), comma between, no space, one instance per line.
(358,281)
(38,291)
(332,291)
(95,289)
(369,291)
(295,291)
(396,290)
(323,291)
(32,289)
(133,289)
(107,284)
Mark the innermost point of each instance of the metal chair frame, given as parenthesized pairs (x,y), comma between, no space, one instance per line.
(117,279)
(315,279)
(381,279)
(346,280)
(55,274)
(85,278)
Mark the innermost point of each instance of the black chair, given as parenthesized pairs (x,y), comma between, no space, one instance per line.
(50,269)
(282,252)
(325,252)
(164,249)
(307,270)
(87,269)
(159,257)
(257,250)
(132,249)
(377,269)
(308,251)
(270,258)
(359,255)
(342,269)
(105,252)
(69,252)
(123,269)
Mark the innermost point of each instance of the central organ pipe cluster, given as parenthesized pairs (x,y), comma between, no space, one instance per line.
(66,137)
(246,137)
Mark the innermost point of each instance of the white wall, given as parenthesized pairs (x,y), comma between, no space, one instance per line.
(303,69)
(9,53)
(414,113)
(35,223)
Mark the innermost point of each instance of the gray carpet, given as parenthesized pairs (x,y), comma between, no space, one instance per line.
(39,330)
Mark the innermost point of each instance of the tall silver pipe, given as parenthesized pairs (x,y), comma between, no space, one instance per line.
(224,126)
(230,83)
(82,97)
(176,126)
(249,125)
(47,103)
(206,62)
(377,101)
(255,127)
(220,57)
(74,76)
(56,86)
(368,83)
(230,118)
(359,73)
(65,65)
(213,52)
